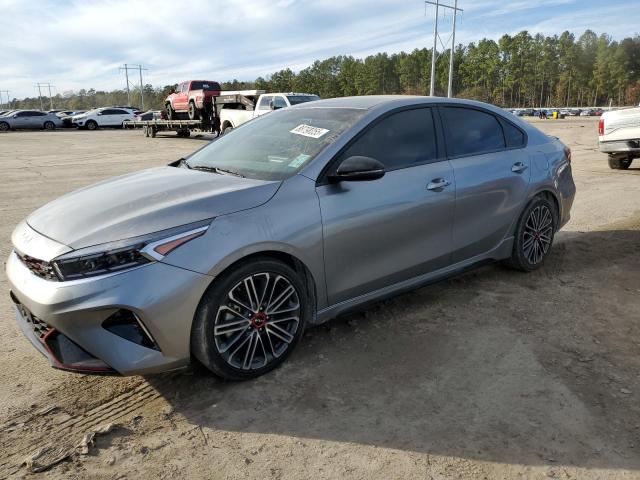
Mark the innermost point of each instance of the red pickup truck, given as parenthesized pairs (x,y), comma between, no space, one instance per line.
(194,97)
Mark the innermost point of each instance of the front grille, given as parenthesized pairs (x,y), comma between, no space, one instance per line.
(39,268)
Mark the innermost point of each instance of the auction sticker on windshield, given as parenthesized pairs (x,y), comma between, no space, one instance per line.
(309,131)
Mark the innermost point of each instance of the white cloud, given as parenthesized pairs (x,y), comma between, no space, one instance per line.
(80,44)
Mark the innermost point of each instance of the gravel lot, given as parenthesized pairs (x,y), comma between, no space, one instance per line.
(493,374)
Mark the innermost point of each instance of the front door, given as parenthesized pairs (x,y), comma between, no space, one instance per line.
(381,232)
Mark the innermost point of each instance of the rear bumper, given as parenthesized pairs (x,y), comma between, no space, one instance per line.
(163,297)
(620,146)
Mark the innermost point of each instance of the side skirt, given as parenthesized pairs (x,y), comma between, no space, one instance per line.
(501,252)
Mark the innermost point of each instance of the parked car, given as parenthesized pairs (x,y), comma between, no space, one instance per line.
(193,97)
(64,113)
(231,118)
(102,117)
(29,119)
(294,218)
(589,112)
(67,119)
(149,115)
(619,137)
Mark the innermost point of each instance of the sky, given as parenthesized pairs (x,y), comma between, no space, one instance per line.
(80,44)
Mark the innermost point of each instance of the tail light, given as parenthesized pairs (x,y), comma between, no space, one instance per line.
(567,154)
(601,127)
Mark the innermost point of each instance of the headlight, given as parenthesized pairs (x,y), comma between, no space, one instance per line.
(124,255)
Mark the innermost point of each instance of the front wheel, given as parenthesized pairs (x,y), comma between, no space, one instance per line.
(620,162)
(250,319)
(92,125)
(171,113)
(534,235)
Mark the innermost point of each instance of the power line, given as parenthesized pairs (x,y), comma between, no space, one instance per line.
(126,69)
(435,45)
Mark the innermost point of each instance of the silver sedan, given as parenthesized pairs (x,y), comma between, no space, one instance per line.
(286,222)
(29,119)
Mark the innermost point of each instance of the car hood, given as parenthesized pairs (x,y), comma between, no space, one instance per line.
(145,202)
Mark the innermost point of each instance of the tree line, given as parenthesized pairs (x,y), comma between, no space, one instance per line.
(523,70)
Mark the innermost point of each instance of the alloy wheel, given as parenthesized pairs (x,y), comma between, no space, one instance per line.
(257,321)
(537,234)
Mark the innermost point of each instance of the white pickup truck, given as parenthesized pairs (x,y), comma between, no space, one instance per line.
(619,136)
(235,114)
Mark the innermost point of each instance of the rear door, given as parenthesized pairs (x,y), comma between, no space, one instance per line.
(263,105)
(492,170)
(381,232)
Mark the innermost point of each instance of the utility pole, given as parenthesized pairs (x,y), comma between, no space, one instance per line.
(126,69)
(8,100)
(48,85)
(453,46)
(455,9)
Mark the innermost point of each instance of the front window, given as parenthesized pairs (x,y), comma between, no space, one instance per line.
(276,146)
(296,99)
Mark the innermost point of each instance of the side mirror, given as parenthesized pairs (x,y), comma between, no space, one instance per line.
(15,116)
(357,168)
(99,113)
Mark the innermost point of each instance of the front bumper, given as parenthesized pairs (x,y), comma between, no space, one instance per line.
(163,297)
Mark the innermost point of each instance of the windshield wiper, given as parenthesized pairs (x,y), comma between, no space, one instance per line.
(230,172)
(218,170)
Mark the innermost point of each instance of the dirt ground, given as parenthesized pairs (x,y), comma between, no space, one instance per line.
(493,374)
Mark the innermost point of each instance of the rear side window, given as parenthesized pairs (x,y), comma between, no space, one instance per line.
(513,136)
(400,140)
(279,102)
(472,132)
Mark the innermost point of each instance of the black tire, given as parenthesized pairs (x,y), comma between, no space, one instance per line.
(193,112)
(620,162)
(171,113)
(49,125)
(145,131)
(4,127)
(92,125)
(534,238)
(217,352)
(227,129)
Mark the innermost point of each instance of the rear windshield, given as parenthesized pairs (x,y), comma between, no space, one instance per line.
(205,86)
(296,99)
(277,145)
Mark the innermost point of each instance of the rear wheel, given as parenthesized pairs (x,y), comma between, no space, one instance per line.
(193,112)
(534,235)
(49,125)
(250,319)
(4,127)
(92,125)
(227,129)
(620,162)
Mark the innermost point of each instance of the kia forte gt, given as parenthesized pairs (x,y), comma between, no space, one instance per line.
(295,217)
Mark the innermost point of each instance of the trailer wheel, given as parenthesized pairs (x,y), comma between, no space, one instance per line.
(193,111)
(153,132)
(145,130)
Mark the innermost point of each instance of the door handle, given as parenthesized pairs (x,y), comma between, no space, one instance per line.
(438,184)
(518,167)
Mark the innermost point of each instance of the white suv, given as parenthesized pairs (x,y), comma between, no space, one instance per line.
(102,117)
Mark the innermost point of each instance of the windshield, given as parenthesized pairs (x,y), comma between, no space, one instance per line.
(276,146)
(296,99)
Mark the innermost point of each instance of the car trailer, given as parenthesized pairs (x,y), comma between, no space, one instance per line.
(183,128)
(208,123)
